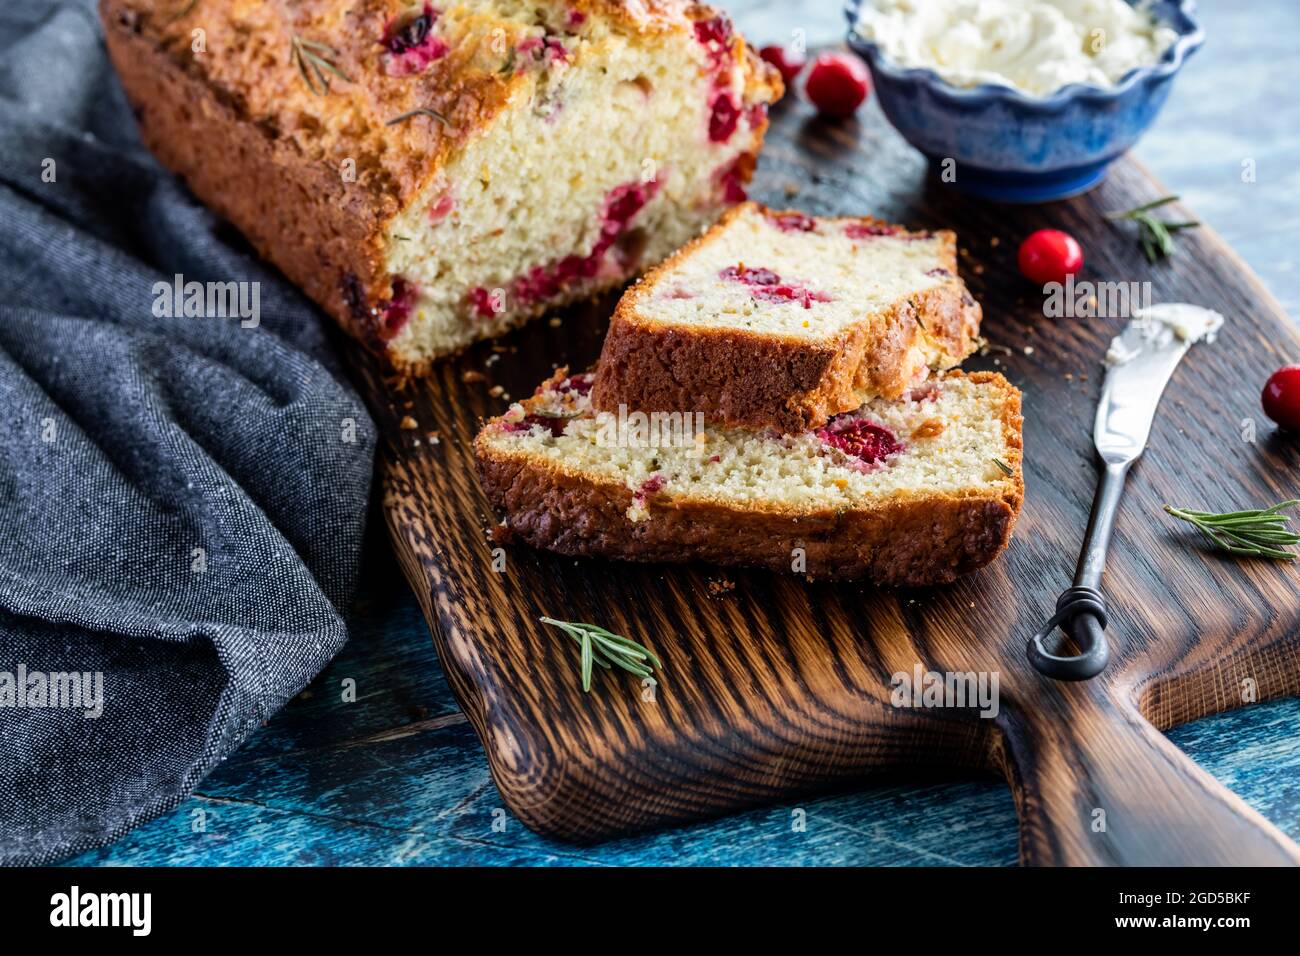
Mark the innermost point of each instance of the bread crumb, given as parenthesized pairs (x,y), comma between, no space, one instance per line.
(995,242)
(555,322)
(496,391)
(434,437)
(721,586)
(472,375)
(409,423)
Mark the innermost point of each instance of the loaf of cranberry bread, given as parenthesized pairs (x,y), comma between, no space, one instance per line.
(782,320)
(912,491)
(435,173)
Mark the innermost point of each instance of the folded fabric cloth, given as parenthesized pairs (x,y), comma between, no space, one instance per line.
(182,495)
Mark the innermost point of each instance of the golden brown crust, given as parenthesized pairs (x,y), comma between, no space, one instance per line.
(314,180)
(914,540)
(739,378)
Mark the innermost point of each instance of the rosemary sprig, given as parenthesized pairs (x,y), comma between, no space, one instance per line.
(1155,235)
(428,111)
(311,60)
(1003,467)
(1255,533)
(602,648)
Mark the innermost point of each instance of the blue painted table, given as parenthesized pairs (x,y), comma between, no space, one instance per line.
(397,776)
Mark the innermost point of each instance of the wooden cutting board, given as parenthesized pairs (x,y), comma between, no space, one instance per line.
(779,686)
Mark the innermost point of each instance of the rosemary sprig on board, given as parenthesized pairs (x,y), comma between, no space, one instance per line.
(1155,235)
(311,59)
(428,111)
(1258,533)
(602,648)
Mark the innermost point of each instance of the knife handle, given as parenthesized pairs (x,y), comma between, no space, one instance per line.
(1081,610)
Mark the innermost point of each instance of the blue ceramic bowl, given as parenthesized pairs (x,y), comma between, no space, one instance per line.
(1013,147)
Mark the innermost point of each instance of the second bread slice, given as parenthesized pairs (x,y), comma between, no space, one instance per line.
(781,320)
(909,492)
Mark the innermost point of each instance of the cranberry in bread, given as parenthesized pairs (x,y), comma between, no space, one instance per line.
(912,491)
(433,173)
(782,320)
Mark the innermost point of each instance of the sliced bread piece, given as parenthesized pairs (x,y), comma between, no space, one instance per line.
(781,320)
(906,492)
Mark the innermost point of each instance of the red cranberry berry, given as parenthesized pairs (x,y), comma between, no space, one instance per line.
(482,301)
(407,34)
(732,178)
(397,312)
(837,84)
(1281,397)
(722,123)
(860,438)
(767,286)
(787,60)
(749,276)
(715,32)
(793,222)
(411,44)
(865,230)
(553,424)
(441,209)
(1049,255)
(578,383)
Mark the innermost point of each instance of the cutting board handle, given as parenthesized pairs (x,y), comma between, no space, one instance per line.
(1097,785)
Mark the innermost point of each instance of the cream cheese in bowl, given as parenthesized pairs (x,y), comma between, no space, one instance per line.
(1035,46)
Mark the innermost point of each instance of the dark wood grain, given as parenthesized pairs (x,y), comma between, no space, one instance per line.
(780,685)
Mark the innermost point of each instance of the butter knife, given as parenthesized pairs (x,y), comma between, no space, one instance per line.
(1139,364)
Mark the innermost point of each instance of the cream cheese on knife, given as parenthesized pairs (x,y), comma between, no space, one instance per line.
(1159,325)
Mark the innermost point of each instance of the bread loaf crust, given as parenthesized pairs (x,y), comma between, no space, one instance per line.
(739,378)
(324,236)
(314,181)
(913,540)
